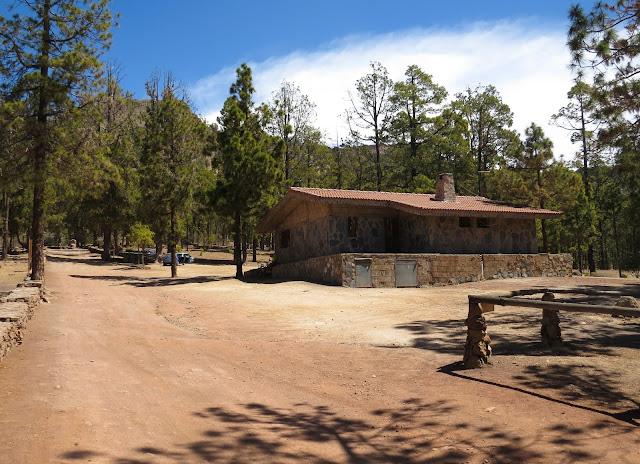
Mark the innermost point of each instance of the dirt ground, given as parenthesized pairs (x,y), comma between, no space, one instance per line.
(125,365)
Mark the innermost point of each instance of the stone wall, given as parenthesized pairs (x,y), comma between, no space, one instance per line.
(523,265)
(432,269)
(16,309)
(443,234)
(324,269)
(328,236)
(322,236)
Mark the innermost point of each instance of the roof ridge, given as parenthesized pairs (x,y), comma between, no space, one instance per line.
(360,191)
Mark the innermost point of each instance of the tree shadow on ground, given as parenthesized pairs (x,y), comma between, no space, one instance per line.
(153,281)
(630,289)
(588,388)
(215,262)
(85,259)
(519,333)
(417,431)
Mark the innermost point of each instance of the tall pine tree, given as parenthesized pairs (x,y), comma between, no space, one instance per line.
(173,142)
(49,55)
(248,174)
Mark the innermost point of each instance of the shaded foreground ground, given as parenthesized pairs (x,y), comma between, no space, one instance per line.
(125,365)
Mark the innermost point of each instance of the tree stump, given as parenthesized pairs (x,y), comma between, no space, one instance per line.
(550,331)
(477,349)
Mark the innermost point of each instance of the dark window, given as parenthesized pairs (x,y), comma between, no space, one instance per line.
(464,221)
(352,226)
(483,223)
(285,238)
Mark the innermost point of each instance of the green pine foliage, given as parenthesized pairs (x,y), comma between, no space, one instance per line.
(49,60)
(81,159)
(248,175)
(172,144)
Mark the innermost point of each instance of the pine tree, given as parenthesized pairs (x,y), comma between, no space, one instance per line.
(49,56)
(489,120)
(291,119)
(415,100)
(248,174)
(371,111)
(172,145)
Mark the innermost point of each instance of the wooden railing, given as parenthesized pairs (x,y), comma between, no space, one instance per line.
(477,347)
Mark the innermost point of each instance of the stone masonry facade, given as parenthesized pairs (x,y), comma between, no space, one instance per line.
(431,269)
(331,235)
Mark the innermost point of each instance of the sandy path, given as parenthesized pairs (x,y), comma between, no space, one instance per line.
(127,366)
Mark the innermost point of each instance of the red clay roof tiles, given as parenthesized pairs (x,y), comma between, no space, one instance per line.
(424,201)
(415,203)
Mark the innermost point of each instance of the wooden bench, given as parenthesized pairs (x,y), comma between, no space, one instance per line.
(477,349)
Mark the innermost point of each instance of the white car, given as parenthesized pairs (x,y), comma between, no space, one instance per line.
(184,258)
(181,258)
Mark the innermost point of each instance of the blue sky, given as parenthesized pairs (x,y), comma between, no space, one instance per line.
(325,46)
(196,38)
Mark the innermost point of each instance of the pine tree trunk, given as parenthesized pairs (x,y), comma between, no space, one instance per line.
(5,228)
(40,150)
(37,226)
(378,165)
(245,248)
(591,259)
(116,242)
(237,244)
(580,256)
(25,244)
(604,264)
(617,241)
(172,245)
(106,250)
(545,239)
(255,249)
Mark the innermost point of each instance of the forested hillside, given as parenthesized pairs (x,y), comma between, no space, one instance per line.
(82,159)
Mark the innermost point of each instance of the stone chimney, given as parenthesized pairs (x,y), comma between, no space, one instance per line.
(445,188)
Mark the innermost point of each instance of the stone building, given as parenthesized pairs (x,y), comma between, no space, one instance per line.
(384,239)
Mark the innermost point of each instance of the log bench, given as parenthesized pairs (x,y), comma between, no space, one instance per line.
(477,349)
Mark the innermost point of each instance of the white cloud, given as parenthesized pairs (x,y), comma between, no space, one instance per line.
(526,63)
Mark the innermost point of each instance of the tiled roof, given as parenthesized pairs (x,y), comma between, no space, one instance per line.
(415,203)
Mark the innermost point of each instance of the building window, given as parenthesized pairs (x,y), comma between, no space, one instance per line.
(352,227)
(483,223)
(285,238)
(464,221)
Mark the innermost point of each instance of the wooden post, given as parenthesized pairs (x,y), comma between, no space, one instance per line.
(30,256)
(550,330)
(477,349)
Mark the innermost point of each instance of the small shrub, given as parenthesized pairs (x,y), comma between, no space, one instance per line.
(624,276)
(178,248)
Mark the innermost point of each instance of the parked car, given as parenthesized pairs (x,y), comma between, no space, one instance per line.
(184,258)
(166,259)
(149,255)
(181,258)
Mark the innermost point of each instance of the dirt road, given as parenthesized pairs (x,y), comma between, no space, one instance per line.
(125,365)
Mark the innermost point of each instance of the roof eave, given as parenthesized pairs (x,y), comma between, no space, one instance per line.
(271,219)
